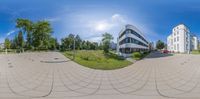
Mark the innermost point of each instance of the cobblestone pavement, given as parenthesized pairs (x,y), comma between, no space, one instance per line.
(49,75)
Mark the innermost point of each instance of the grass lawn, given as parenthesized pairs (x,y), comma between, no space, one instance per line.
(96,59)
(195,52)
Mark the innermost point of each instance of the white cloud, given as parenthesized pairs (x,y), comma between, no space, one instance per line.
(93,27)
(104,25)
(117,18)
(2,40)
(10,33)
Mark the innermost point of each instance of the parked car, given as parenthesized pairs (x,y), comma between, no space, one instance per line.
(165,51)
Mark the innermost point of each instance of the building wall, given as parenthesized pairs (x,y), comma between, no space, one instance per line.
(169,43)
(131,39)
(181,40)
(1,45)
(195,42)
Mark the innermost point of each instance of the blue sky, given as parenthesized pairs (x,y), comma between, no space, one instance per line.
(91,18)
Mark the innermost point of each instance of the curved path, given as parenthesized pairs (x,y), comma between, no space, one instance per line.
(49,75)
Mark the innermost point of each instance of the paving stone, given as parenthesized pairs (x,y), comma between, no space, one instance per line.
(43,76)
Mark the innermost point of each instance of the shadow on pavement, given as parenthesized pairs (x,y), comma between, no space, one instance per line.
(158,55)
(54,61)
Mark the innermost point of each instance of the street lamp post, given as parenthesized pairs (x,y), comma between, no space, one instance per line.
(74,48)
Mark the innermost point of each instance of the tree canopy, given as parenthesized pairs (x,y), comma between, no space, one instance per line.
(106,41)
(160,44)
(38,35)
(7,43)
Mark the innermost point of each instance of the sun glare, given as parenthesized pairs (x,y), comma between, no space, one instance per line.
(101,26)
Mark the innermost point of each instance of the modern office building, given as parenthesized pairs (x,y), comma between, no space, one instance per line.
(131,40)
(181,40)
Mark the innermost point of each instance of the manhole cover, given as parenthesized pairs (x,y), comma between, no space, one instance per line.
(182,63)
(10,66)
(56,58)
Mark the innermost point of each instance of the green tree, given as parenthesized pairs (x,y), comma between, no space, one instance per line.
(14,43)
(70,41)
(7,43)
(78,42)
(94,46)
(106,41)
(41,34)
(26,27)
(100,46)
(160,44)
(67,42)
(52,43)
(88,45)
(20,42)
(84,45)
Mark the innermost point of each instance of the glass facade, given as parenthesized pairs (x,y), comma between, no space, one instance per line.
(143,46)
(131,50)
(132,40)
(134,33)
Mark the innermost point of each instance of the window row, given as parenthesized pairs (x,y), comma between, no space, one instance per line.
(176,39)
(132,40)
(176,47)
(127,31)
(176,33)
(131,50)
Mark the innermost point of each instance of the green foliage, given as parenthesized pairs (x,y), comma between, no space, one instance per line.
(26,26)
(137,55)
(52,43)
(106,41)
(97,59)
(41,34)
(14,43)
(20,39)
(160,44)
(7,43)
(67,43)
(195,52)
(38,35)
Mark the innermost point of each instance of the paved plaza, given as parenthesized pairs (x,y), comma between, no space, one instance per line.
(49,75)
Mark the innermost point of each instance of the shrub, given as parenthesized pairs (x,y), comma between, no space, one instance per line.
(137,55)
(145,52)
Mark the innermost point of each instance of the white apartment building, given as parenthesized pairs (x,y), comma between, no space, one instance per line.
(1,45)
(182,40)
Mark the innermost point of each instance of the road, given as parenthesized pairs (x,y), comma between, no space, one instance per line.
(49,75)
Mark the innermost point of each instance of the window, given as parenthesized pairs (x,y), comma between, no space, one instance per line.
(132,40)
(177,39)
(174,39)
(174,47)
(127,32)
(177,32)
(171,41)
(134,33)
(174,33)
(126,40)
